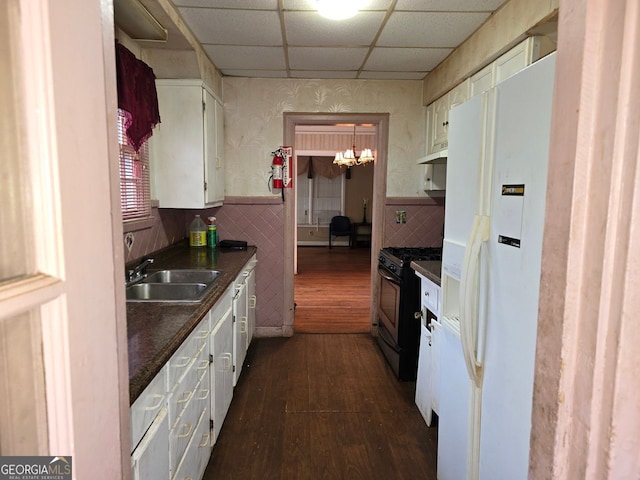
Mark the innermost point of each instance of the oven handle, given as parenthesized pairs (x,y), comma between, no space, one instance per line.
(382,333)
(387,277)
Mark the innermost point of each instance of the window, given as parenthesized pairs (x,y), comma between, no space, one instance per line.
(319,199)
(134,177)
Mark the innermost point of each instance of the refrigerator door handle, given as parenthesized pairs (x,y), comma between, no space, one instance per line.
(469,297)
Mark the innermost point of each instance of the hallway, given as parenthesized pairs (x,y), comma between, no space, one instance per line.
(333,290)
(322,406)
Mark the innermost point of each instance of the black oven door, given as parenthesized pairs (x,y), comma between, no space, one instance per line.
(389,302)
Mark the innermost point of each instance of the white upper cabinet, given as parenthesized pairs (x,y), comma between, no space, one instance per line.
(510,63)
(438,117)
(187,164)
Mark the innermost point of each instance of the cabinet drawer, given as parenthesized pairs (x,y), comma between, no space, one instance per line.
(180,362)
(221,307)
(184,429)
(149,460)
(182,394)
(430,296)
(185,390)
(197,452)
(147,405)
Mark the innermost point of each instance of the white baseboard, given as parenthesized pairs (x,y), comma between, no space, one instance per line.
(269,332)
(316,243)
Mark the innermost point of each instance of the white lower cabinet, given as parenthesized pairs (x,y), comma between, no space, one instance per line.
(177,418)
(243,325)
(190,393)
(240,328)
(252,301)
(221,371)
(427,382)
(150,460)
(197,451)
(147,407)
(424,380)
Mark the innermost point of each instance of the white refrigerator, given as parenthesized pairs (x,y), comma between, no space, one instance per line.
(494,219)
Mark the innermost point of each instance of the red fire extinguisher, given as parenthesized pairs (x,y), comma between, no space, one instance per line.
(276,170)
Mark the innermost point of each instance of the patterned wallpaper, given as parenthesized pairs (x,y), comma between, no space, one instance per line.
(254,127)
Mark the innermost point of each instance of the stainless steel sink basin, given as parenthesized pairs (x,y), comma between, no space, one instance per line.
(182,276)
(166,292)
(176,285)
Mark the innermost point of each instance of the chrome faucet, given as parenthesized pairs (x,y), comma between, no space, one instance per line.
(138,272)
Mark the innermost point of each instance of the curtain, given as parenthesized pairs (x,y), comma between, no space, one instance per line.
(322,166)
(137,96)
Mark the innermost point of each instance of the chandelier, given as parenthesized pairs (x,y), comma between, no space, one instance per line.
(348,158)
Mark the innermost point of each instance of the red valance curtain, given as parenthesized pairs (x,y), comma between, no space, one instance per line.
(137,96)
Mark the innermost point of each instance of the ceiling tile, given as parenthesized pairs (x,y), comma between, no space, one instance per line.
(234,27)
(323,74)
(244,4)
(393,75)
(311,4)
(256,73)
(449,5)
(240,57)
(433,29)
(308,28)
(302,58)
(405,59)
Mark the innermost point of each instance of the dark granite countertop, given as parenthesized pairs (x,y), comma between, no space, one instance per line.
(431,269)
(155,330)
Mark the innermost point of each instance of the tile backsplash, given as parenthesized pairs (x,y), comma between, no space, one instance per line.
(420,225)
(260,222)
(167,227)
(257,220)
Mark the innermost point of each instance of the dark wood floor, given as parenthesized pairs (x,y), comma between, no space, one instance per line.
(322,406)
(333,290)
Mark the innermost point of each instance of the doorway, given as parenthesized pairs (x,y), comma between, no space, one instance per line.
(381,123)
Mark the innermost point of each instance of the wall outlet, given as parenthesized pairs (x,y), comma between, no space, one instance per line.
(401,216)
(128,240)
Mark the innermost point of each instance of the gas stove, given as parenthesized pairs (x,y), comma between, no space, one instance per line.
(399,305)
(397,259)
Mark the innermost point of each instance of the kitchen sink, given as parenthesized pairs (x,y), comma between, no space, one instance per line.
(172,286)
(181,276)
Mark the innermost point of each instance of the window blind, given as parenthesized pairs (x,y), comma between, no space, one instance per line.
(134,176)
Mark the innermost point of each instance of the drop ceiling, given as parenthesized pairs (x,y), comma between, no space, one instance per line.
(388,39)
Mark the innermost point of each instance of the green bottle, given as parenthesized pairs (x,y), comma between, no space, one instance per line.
(212,233)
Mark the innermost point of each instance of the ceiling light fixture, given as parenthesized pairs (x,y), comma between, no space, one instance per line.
(339,9)
(349,157)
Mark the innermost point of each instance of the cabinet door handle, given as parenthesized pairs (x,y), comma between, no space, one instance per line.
(186,395)
(189,427)
(203,334)
(243,325)
(203,364)
(252,301)
(205,394)
(157,405)
(205,440)
(186,361)
(227,361)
